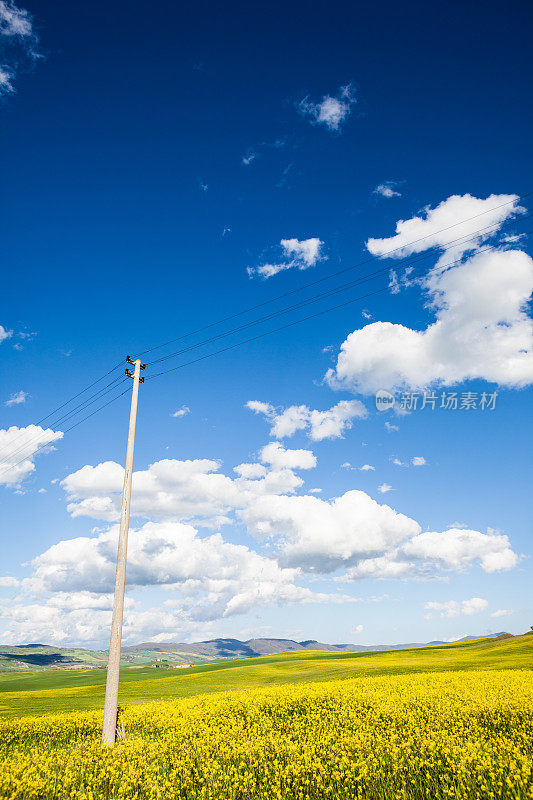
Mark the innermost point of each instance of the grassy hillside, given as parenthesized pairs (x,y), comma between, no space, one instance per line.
(36,693)
(35,657)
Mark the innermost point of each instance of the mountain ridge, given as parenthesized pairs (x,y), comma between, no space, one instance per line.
(251,648)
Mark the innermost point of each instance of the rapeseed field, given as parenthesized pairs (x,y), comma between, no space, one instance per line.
(423,736)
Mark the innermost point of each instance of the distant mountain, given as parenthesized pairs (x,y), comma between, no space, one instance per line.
(492,635)
(42,657)
(235,648)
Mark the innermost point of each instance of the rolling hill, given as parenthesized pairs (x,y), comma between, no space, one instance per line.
(39,656)
(40,692)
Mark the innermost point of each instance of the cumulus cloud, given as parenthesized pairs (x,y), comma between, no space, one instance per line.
(502,612)
(457,608)
(18,449)
(213,578)
(324,535)
(296,253)
(457,549)
(331,111)
(85,617)
(481,330)
(387,189)
(17,42)
(319,425)
(418,461)
(352,532)
(280,458)
(184,490)
(425,555)
(17,398)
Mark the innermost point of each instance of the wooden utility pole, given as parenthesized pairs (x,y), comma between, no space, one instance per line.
(113,664)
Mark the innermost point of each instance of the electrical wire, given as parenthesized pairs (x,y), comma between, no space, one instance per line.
(340,272)
(284,327)
(296,306)
(4,457)
(322,295)
(47,444)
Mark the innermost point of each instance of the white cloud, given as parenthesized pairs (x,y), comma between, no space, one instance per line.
(482,329)
(457,549)
(502,612)
(260,408)
(512,238)
(390,427)
(325,535)
(248,158)
(181,412)
(18,448)
(352,533)
(357,629)
(457,216)
(16,399)
(424,555)
(456,608)
(251,471)
(4,334)
(387,189)
(213,578)
(418,461)
(331,111)
(366,468)
(14,21)
(319,425)
(296,253)
(384,488)
(19,41)
(84,618)
(385,567)
(7,582)
(279,458)
(331,424)
(184,490)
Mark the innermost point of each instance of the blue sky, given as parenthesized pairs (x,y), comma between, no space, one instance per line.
(163,171)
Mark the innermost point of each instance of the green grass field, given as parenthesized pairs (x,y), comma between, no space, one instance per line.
(42,692)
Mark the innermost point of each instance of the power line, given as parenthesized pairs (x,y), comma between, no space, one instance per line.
(346,269)
(370,276)
(282,327)
(28,457)
(296,306)
(64,417)
(80,393)
(66,403)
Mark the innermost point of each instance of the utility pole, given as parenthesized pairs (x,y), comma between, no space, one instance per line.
(113,664)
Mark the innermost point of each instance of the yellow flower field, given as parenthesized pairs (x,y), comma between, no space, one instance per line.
(431,736)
